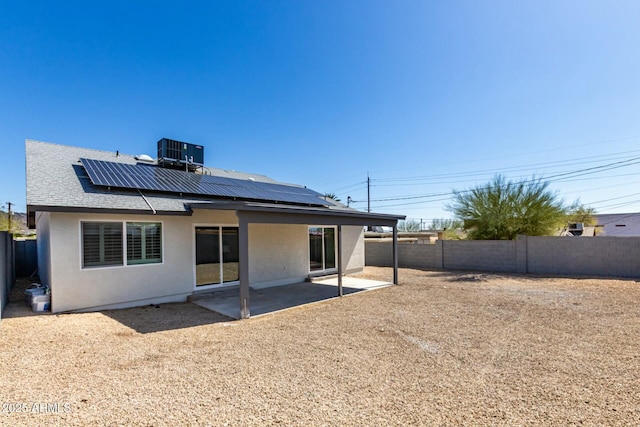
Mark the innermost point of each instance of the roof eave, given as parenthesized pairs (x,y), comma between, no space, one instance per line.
(268,213)
(32,209)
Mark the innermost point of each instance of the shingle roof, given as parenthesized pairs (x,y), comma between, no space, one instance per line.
(56,179)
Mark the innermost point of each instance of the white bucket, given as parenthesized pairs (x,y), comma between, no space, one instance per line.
(34,289)
(41,298)
(40,306)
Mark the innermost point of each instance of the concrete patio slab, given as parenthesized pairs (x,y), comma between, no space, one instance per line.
(269,300)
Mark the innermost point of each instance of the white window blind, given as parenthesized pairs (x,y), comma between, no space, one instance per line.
(101,243)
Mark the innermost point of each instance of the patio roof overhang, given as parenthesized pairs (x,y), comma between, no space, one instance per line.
(267,213)
(263,213)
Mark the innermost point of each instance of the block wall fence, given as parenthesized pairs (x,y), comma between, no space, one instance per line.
(7,271)
(566,256)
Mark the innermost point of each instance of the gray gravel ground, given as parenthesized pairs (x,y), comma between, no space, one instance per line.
(439,349)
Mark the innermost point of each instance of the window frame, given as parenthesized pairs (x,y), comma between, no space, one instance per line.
(143,242)
(101,248)
(223,283)
(324,268)
(125,262)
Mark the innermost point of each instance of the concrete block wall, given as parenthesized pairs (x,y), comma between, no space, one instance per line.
(522,259)
(4,286)
(7,272)
(568,256)
(26,254)
(380,253)
(599,256)
(481,255)
(420,256)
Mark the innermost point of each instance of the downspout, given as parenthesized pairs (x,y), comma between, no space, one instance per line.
(147,202)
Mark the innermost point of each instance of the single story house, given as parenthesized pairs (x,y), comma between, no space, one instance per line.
(118,230)
(624,224)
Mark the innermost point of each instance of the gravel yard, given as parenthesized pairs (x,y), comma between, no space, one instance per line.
(441,348)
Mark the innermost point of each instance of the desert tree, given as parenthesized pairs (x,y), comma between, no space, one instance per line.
(445,224)
(502,209)
(583,214)
(409,225)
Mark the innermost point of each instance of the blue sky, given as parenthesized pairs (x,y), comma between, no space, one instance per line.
(424,96)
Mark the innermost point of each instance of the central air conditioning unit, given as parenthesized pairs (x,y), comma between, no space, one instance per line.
(180,155)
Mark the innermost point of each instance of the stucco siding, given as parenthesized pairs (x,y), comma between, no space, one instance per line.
(353,248)
(278,254)
(43,248)
(74,287)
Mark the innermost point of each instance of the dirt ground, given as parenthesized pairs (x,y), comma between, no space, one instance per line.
(441,348)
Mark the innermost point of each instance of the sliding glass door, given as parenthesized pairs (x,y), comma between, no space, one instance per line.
(216,255)
(322,248)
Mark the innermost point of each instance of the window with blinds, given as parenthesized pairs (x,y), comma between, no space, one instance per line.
(101,244)
(144,242)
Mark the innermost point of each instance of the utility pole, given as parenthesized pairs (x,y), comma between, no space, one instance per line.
(369,228)
(368,193)
(9,216)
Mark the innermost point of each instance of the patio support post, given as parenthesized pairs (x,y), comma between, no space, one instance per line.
(243,249)
(340,260)
(395,254)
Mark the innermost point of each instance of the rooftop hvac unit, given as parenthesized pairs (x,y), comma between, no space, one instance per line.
(180,155)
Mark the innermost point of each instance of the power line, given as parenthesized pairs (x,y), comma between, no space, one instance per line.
(613,198)
(556,163)
(619,205)
(566,176)
(609,166)
(552,178)
(346,187)
(579,172)
(511,155)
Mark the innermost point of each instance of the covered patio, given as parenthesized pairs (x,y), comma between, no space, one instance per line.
(265,213)
(270,300)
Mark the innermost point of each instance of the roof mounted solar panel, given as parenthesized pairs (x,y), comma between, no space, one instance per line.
(153,178)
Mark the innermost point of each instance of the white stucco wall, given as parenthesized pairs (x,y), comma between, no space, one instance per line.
(43,248)
(278,255)
(353,248)
(74,287)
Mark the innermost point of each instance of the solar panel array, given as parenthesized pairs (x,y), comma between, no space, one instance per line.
(153,178)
